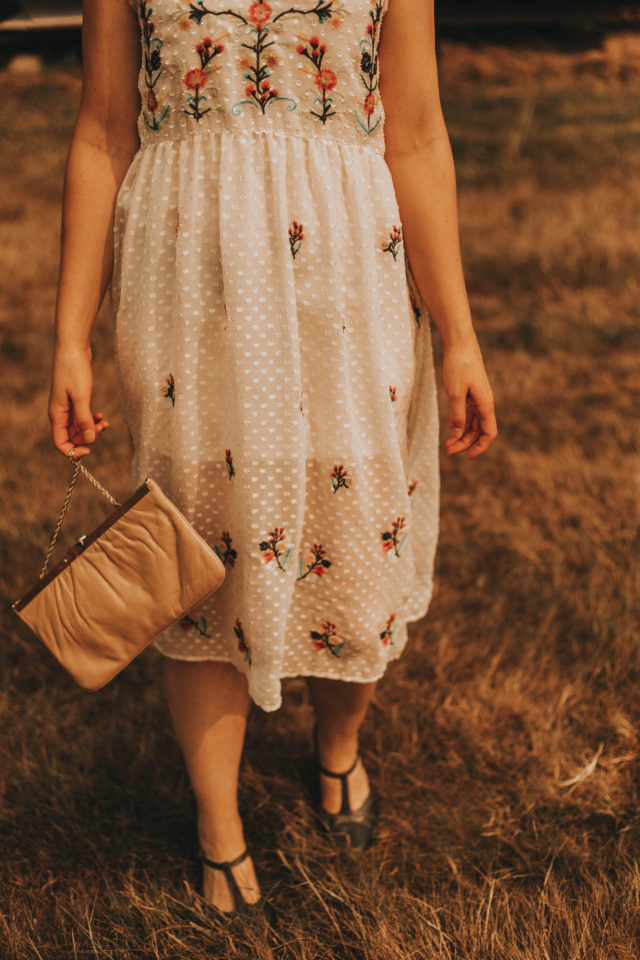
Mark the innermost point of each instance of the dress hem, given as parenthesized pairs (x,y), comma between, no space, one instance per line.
(303,673)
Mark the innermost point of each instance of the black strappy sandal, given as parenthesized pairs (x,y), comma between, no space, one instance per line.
(258,910)
(354,827)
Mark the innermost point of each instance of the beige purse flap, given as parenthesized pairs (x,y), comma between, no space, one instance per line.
(139,571)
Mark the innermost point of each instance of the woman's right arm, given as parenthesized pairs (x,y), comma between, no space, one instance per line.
(104,141)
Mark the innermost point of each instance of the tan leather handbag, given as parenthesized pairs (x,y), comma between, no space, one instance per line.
(118,587)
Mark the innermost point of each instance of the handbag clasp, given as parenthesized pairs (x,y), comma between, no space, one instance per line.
(76,549)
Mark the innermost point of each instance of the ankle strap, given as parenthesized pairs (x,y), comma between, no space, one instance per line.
(224,864)
(339,776)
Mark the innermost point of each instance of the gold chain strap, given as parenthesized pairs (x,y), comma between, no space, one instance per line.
(78,466)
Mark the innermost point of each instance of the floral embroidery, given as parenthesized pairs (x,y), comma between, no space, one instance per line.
(188,623)
(393,243)
(152,68)
(230,553)
(369,69)
(259,92)
(389,629)
(393,394)
(170,389)
(196,78)
(340,478)
(325,79)
(228,459)
(296,237)
(243,646)
(271,548)
(411,489)
(326,638)
(318,565)
(259,13)
(390,538)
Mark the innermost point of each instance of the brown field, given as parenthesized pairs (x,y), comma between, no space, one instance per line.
(505,743)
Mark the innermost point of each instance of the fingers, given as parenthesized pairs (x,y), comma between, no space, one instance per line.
(457,417)
(84,421)
(488,430)
(479,433)
(59,417)
(481,446)
(100,422)
(470,436)
(68,433)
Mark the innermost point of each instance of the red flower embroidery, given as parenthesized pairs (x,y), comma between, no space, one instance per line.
(369,68)
(196,78)
(340,477)
(391,538)
(229,555)
(259,14)
(387,634)
(243,646)
(296,237)
(326,79)
(393,394)
(369,104)
(318,563)
(188,623)
(393,243)
(152,66)
(326,637)
(271,548)
(170,389)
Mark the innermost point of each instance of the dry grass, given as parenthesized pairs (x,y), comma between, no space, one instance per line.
(505,742)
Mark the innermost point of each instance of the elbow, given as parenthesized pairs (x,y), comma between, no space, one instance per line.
(415,130)
(407,141)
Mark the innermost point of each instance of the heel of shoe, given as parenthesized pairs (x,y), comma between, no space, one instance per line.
(355,827)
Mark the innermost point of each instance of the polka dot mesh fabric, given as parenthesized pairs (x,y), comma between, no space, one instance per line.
(274,357)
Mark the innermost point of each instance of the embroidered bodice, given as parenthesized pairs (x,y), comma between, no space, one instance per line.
(305,69)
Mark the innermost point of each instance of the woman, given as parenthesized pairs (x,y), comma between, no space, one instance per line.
(263,167)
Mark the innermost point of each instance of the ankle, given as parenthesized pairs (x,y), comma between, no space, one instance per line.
(221,840)
(337,752)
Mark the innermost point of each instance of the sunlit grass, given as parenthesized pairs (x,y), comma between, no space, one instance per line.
(505,742)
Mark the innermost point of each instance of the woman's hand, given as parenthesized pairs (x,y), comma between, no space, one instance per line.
(472,421)
(72,422)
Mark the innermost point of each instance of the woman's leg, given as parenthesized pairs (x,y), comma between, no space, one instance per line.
(340,708)
(209,701)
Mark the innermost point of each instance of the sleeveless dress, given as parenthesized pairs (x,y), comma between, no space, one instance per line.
(274,357)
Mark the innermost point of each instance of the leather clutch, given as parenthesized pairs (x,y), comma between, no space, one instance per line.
(118,587)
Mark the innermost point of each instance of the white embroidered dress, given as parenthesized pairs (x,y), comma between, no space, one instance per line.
(274,359)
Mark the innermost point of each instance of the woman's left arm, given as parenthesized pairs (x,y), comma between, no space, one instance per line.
(418,154)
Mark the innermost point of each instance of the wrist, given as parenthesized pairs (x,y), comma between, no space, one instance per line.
(454,326)
(459,338)
(68,346)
